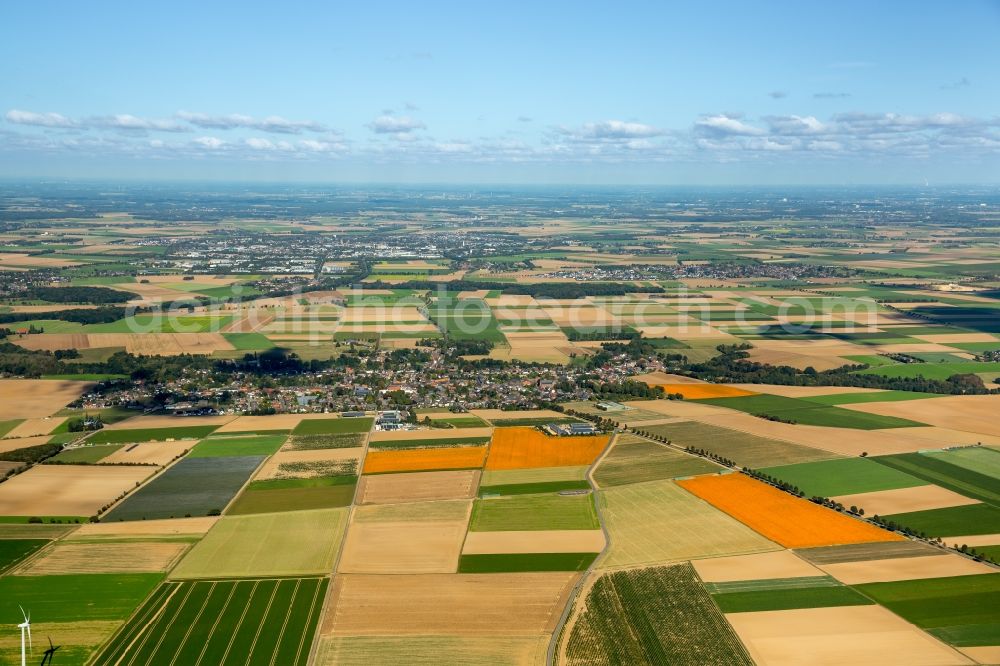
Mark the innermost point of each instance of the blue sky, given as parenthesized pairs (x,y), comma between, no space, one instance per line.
(515,92)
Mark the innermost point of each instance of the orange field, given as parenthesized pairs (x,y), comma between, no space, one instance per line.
(787,520)
(521,447)
(696,391)
(419,460)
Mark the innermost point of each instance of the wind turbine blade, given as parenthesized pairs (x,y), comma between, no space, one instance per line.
(30,646)
(23,614)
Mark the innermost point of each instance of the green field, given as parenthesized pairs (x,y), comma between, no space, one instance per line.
(660,615)
(979,459)
(513,562)
(939,471)
(532,421)
(268,544)
(249,341)
(108,416)
(193,486)
(85,454)
(294,495)
(846,476)
(641,460)
(534,512)
(149,323)
(86,377)
(13,551)
(743,448)
(7,426)
(533,488)
(135,435)
(784,594)
(224,446)
(465,421)
(961,610)
(465,319)
(429,443)
(222,622)
(939,371)
(333,426)
(75,597)
(952,521)
(874,396)
(809,413)
(500,477)
(347,440)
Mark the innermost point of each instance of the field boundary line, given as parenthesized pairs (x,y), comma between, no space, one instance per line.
(142,630)
(201,611)
(312,609)
(243,617)
(284,624)
(211,632)
(167,628)
(574,595)
(314,646)
(263,620)
(250,478)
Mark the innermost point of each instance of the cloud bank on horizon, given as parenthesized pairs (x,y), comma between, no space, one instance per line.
(862,86)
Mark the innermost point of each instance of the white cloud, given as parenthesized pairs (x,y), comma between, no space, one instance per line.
(210,142)
(725,124)
(388,124)
(130,123)
(795,125)
(39,119)
(614,130)
(271,124)
(315,146)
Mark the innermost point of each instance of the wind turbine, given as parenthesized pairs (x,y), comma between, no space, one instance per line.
(25,625)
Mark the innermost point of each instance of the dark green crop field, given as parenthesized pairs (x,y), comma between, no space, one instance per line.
(246,622)
(194,486)
(661,615)
(962,610)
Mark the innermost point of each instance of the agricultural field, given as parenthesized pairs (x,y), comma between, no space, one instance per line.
(838,635)
(789,521)
(522,447)
(224,446)
(794,410)
(654,615)
(473,605)
(939,470)
(192,487)
(67,490)
(37,398)
(270,544)
(847,476)
(418,486)
(222,622)
(774,594)
(958,610)
(534,512)
(743,448)
(425,460)
(272,495)
(635,460)
(82,611)
(657,521)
